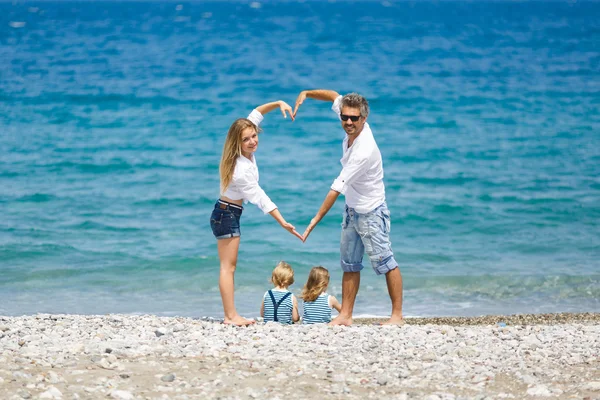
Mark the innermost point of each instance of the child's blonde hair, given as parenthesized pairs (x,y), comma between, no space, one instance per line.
(318,280)
(283,275)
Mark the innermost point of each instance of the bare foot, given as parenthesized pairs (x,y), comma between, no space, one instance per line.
(238,321)
(339,320)
(399,321)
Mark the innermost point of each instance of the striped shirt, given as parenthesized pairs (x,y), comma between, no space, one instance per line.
(284,311)
(318,311)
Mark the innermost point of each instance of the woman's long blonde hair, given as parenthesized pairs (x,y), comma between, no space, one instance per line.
(318,280)
(232,149)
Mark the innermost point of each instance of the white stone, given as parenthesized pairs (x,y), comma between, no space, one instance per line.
(54,378)
(593,386)
(539,390)
(24,394)
(122,395)
(160,332)
(51,393)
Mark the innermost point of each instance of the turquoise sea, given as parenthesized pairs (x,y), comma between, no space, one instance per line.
(113,116)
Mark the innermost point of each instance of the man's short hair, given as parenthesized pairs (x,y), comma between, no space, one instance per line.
(355,100)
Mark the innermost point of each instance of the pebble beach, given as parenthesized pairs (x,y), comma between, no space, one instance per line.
(148,357)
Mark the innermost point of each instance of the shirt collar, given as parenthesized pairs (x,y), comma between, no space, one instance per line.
(245,160)
(365,132)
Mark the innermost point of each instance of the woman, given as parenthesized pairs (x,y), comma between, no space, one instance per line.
(239,183)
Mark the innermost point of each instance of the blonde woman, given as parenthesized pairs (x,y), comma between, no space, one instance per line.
(239,184)
(317,303)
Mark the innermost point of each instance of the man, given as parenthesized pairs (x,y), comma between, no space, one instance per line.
(366,223)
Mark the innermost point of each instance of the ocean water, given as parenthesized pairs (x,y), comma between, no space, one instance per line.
(113,115)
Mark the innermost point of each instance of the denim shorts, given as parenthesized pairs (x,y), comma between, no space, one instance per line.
(225,220)
(368,233)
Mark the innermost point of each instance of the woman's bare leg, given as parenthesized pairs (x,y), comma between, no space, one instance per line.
(228,252)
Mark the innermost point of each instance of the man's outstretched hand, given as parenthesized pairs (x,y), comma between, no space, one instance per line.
(299,101)
(309,229)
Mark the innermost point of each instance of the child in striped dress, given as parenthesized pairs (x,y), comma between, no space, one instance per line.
(279,304)
(317,303)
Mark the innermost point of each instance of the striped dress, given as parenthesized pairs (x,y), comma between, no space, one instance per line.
(284,310)
(317,311)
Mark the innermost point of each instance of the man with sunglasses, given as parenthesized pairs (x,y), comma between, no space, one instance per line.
(366,224)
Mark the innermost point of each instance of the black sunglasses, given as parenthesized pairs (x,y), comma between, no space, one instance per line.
(352,118)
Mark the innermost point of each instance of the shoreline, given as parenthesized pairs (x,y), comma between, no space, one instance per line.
(490,319)
(513,319)
(141,357)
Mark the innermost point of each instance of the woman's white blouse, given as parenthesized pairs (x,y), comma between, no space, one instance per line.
(244,184)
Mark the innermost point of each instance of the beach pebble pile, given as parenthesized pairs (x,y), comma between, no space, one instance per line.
(149,357)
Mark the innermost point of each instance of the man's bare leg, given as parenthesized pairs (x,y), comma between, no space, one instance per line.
(394,284)
(350,284)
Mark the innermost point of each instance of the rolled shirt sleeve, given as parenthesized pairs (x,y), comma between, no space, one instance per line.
(256,117)
(350,172)
(252,192)
(337,105)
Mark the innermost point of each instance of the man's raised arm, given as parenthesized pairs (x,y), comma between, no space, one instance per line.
(317,94)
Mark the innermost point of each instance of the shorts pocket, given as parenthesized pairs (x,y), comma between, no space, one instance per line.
(216,220)
(345,220)
(385,218)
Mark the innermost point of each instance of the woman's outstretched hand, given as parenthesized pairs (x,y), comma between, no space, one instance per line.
(291,229)
(283,106)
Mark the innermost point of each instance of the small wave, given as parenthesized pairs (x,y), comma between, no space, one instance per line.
(411,218)
(408,159)
(91,168)
(36,198)
(20,252)
(459,180)
(526,200)
(442,124)
(114,166)
(174,202)
(501,287)
(91,99)
(448,209)
(371,316)
(503,121)
(91,225)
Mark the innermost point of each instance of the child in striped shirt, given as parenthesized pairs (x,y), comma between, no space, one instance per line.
(317,303)
(279,304)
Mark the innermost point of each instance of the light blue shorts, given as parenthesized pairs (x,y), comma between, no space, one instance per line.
(368,233)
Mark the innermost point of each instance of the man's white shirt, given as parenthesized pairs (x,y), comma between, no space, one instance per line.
(244,184)
(361,179)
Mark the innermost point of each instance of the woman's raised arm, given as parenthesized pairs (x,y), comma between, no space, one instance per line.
(283,106)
